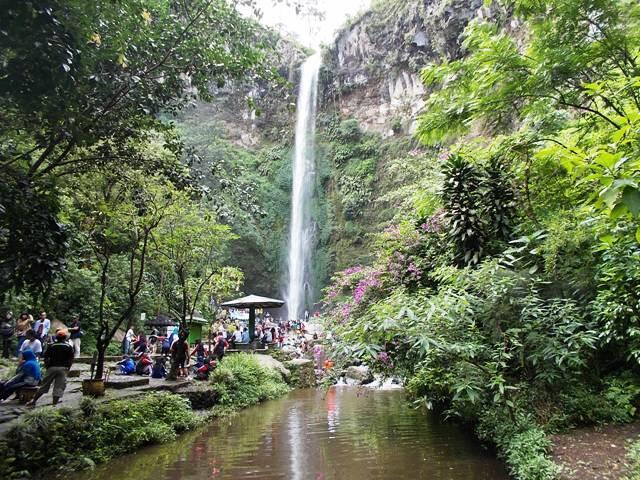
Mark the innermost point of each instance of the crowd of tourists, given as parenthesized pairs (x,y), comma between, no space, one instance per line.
(200,359)
(25,332)
(31,342)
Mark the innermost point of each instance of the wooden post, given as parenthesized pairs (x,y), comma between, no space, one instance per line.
(252,324)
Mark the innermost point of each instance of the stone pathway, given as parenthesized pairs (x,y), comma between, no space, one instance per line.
(12,409)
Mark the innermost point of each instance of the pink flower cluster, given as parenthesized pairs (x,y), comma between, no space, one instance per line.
(343,280)
(371,280)
(402,269)
(414,272)
(434,224)
(383,357)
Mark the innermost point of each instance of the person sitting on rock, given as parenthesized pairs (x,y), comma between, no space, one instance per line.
(27,375)
(127,365)
(202,373)
(143,365)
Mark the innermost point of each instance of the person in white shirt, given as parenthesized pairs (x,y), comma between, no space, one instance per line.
(126,341)
(32,343)
(237,336)
(42,326)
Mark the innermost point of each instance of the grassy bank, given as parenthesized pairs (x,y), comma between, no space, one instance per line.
(50,441)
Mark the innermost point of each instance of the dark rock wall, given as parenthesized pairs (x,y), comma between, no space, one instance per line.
(372,71)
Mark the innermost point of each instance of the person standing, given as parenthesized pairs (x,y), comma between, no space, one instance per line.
(238,335)
(23,325)
(6,333)
(180,353)
(126,341)
(58,360)
(42,326)
(220,347)
(75,334)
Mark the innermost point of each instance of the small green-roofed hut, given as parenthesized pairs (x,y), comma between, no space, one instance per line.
(195,324)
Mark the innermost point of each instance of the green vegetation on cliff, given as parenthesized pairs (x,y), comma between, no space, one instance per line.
(505,292)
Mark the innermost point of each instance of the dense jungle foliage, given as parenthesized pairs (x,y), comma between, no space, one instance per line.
(105,210)
(506,291)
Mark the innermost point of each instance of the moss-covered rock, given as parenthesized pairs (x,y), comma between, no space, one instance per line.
(302,373)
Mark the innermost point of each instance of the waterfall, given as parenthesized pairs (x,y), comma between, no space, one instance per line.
(300,229)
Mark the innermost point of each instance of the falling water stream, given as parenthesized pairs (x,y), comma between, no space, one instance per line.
(300,230)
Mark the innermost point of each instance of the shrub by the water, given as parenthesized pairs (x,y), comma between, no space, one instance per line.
(240,381)
(56,440)
(523,444)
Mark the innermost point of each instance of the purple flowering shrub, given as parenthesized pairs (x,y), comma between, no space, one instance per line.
(350,288)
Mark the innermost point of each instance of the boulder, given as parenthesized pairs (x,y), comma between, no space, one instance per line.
(302,373)
(270,362)
(361,375)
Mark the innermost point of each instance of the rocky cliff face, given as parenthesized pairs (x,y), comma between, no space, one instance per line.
(372,71)
(251,113)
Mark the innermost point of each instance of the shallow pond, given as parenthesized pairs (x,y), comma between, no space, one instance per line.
(346,433)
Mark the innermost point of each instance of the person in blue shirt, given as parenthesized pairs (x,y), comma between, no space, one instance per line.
(27,375)
(127,365)
(245,335)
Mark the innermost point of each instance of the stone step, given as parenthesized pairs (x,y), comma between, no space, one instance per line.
(124,381)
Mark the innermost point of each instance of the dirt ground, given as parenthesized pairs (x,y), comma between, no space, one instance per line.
(595,453)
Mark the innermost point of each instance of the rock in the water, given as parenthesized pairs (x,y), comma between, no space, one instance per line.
(360,374)
(302,373)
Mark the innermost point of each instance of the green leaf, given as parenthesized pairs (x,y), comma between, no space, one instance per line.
(606,159)
(631,198)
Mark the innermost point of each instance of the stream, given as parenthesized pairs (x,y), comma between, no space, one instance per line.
(346,433)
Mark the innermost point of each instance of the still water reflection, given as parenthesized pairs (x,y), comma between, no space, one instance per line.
(346,433)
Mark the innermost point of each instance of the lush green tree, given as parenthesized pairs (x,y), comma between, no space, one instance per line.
(116,213)
(189,247)
(101,72)
(572,89)
(82,87)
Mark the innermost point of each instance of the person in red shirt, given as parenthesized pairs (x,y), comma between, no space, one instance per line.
(202,373)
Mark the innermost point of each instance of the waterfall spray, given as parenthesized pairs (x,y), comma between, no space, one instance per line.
(300,233)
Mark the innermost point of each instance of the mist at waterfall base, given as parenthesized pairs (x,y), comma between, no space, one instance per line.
(301,235)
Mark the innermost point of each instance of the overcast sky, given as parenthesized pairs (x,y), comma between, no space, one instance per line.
(311,31)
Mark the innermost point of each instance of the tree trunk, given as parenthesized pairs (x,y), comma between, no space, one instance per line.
(99,367)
